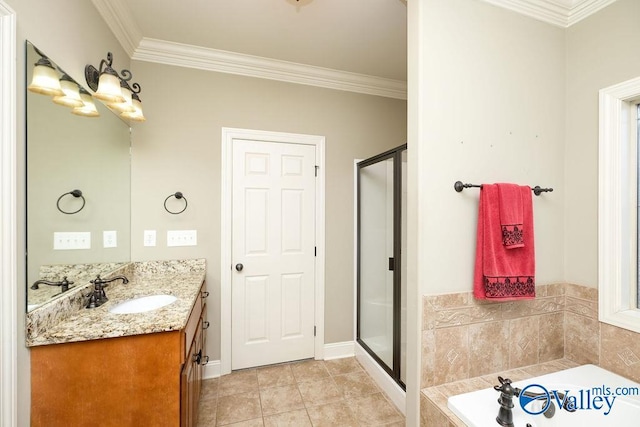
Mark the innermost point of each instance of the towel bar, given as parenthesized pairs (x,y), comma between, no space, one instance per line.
(537,190)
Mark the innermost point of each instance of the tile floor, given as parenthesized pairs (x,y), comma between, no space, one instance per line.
(307,393)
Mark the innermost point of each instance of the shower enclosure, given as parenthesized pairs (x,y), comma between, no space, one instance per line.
(380,265)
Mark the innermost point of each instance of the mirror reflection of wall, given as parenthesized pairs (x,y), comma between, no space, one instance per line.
(66,152)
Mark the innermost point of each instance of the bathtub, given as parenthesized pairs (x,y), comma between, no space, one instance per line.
(601,398)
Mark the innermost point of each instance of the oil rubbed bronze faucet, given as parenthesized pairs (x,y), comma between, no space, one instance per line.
(508,392)
(98,296)
(64,284)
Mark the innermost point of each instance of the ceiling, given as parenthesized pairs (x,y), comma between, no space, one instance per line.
(357,45)
(360,36)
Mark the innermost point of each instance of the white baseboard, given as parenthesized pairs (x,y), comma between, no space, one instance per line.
(335,350)
(338,350)
(211,370)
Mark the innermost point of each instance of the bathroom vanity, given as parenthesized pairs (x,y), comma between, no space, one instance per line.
(100,368)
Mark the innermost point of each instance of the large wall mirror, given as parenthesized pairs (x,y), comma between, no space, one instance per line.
(68,234)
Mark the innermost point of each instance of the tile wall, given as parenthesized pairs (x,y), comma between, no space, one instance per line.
(465,338)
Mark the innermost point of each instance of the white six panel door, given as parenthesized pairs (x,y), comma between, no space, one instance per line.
(273,253)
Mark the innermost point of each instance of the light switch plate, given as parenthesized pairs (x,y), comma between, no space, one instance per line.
(110,239)
(149,237)
(182,238)
(69,240)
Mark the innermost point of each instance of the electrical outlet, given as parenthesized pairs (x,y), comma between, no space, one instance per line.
(149,237)
(110,239)
(69,240)
(182,238)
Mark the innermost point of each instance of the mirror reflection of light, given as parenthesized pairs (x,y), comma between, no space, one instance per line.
(71,97)
(45,79)
(88,108)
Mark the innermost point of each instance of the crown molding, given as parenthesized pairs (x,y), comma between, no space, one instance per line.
(119,19)
(562,13)
(586,8)
(183,55)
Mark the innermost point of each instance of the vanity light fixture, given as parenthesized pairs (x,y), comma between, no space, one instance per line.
(88,108)
(114,89)
(71,97)
(45,78)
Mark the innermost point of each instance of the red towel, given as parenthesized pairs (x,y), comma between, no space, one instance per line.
(511,214)
(503,274)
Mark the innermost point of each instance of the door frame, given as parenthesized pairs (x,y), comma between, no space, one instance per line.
(9,282)
(228,135)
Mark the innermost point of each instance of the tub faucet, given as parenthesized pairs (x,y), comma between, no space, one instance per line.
(507,392)
(505,416)
(98,296)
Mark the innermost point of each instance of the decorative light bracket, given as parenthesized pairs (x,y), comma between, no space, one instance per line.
(131,109)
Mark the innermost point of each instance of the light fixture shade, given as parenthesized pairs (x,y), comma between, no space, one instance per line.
(109,87)
(71,97)
(136,115)
(88,108)
(126,106)
(45,79)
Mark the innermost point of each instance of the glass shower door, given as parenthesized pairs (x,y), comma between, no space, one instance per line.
(381,228)
(376,253)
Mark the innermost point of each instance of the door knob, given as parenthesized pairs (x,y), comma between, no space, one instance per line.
(239,267)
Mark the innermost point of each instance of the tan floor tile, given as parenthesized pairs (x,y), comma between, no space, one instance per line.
(206,423)
(374,410)
(238,382)
(209,389)
(276,400)
(256,422)
(316,393)
(297,418)
(331,415)
(356,384)
(275,376)
(207,412)
(396,424)
(310,370)
(238,407)
(346,365)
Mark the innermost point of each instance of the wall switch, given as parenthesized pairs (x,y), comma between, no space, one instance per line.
(182,238)
(63,241)
(110,239)
(149,237)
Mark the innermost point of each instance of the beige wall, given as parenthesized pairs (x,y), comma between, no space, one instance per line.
(492,110)
(73,33)
(178,149)
(601,51)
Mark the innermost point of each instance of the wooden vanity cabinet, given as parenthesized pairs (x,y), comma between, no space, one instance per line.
(191,378)
(140,380)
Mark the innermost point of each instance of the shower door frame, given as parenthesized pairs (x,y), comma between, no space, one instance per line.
(396,155)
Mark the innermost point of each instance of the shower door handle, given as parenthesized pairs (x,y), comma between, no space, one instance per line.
(392,264)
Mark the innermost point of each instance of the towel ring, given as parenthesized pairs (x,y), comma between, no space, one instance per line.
(178,195)
(76,194)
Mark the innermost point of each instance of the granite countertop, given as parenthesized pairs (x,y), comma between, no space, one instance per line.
(98,323)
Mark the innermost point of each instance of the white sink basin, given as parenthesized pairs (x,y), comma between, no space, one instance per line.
(142,304)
